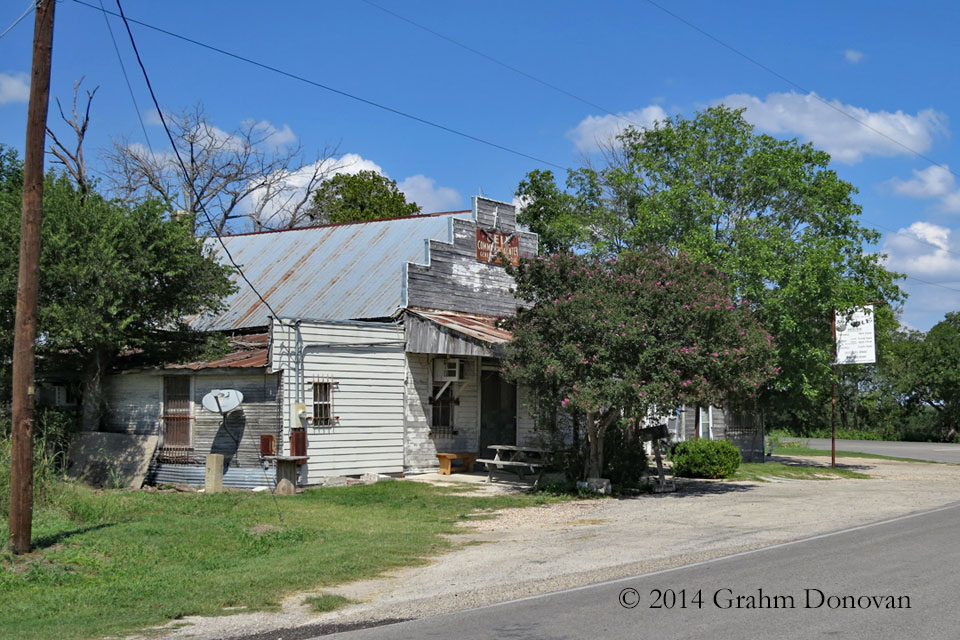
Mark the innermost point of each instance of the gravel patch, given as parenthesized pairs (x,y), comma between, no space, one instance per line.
(523,552)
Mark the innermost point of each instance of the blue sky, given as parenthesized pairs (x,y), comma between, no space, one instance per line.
(888,64)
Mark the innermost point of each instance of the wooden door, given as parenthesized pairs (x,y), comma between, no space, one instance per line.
(498,411)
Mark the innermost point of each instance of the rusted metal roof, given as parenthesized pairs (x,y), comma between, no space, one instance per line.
(476,326)
(250,352)
(336,272)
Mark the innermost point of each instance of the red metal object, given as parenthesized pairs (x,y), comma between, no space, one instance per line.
(298,444)
(268,445)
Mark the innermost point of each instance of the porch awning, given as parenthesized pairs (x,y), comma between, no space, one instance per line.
(453,333)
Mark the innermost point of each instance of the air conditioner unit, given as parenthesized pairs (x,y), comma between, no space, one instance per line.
(447,370)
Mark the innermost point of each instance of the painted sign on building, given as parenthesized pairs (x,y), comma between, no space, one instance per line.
(492,245)
(855,337)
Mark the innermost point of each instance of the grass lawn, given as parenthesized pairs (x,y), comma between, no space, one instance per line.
(117,561)
(762,471)
(799,450)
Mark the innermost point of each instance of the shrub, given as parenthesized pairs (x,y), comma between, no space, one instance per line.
(705,459)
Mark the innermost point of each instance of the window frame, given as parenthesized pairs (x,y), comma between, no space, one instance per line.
(444,403)
(321,406)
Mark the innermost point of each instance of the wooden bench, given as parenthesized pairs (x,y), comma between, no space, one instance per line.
(446,458)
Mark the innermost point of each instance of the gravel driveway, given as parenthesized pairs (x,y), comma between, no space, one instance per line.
(540,549)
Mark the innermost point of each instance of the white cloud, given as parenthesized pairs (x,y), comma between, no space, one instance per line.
(853,56)
(925,250)
(14,87)
(431,198)
(930,253)
(594,132)
(292,187)
(350,163)
(934,182)
(848,141)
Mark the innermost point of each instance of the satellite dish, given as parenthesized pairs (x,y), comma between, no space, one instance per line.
(222,400)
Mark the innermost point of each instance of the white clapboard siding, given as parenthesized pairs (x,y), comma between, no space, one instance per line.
(421,446)
(368,394)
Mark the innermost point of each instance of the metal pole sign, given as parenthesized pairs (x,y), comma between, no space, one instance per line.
(855,339)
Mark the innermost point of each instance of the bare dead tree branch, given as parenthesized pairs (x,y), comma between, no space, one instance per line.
(250,173)
(72,159)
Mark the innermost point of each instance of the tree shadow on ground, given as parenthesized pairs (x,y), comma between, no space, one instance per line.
(688,488)
(808,462)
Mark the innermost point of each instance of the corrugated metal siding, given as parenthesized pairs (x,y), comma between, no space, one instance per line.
(194,476)
(237,439)
(133,405)
(341,272)
(368,396)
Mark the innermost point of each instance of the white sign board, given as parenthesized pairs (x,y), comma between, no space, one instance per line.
(855,337)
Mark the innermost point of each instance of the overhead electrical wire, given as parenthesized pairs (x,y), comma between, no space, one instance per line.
(829,104)
(126,79)
(183,167)
(511,68)
(796,85)
(331,89)
(30,8)
(501,63)
(186,174)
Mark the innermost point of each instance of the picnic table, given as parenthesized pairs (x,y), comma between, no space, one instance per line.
(508,457)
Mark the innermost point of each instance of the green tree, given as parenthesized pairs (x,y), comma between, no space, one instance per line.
(928,373)
(768,212)
(612,340)
(113,278)
(359,197)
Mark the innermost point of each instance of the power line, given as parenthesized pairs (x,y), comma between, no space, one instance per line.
(501,63)
(326,87)
(183,166)
(932,284)
(30,8)
(795,85)
(126,79)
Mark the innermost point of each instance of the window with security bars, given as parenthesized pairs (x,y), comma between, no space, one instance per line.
(177,412)
(323,404)
(441,423)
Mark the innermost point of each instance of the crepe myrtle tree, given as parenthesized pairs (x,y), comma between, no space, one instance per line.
(610,340)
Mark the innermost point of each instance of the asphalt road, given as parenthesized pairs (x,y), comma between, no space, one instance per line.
(932,451)
(910,562)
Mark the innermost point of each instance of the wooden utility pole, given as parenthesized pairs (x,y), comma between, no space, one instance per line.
(25,328)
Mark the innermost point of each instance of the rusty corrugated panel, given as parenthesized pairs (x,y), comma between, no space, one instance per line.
(336,272)
(476,326)
(250,352)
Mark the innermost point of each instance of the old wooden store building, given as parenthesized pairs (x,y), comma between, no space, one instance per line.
(382,352)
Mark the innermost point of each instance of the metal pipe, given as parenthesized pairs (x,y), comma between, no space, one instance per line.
(302,354)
